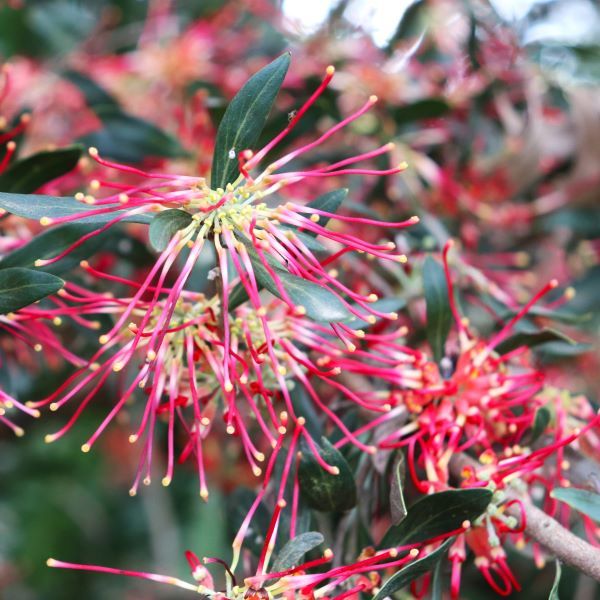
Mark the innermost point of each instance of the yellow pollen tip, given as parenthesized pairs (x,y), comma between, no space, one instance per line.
(123,198)
(570,293)
(103,339)
(373,99)
(166,481)
(204,495)
(553,283)
(94,185)
(401,258)
(93,152)
(94,366)
(38,347)
(228,386)
(403,165)
(40,262)
(57,321)
(466,524)
(132,492)
(414,552)
(257,471)
(301,421)
(414,219)
(260,457)
(50,562)
(371,449)
(330,70)
(281,370)
(372,298)
(86,448)
(281,430)
(45,221)
(334,470)
(49,438)
(314,218)
(230,429)
(19,432)
(147,481)
(133,438)
(54,407)
(328,553)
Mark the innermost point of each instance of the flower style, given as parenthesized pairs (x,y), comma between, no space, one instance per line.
(191,376)
(335,582)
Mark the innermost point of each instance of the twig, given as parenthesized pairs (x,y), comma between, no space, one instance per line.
(546,531)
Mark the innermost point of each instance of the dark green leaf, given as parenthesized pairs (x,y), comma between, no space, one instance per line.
(322,490)
(293,552)
(126,138)
(584,501)
(245,119)
(29,174)
(36,206)
(412,571)
(439,316)
(53,241)
(429,108)
(554,591)
(541,420)
(21,287)
(94,94)
(437,581)
(329,202)
(436,514)
(412,24)
(319,302)
(165,225)
(397,504)
(532,339)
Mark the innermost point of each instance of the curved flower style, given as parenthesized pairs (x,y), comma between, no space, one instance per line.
(483,403)
(192,376)
(335,582)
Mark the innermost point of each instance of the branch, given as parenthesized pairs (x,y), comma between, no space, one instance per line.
(546,531)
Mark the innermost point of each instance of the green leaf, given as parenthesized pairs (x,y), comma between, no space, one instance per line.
(397,504)
(322,490)
(51,242)
(94,94)
(165,225)
(439,316)
(532,339)
(36,206)
(245,119)
(541,420)
(293,552)
(126,138)
(329,202)
(436,514)
(319,302)
(428,108)
(29,174)
(21,287)
(412,571)
(554,591)
(437,581)
(584,501)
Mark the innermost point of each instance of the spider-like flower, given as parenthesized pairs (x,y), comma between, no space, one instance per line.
(190,375)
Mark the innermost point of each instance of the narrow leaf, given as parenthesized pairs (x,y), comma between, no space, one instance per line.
(532,339)
(94,94)
(165,225)
(322,490)
(319,302)
(412,571)
(245,119)
(36,206)
(51,242)
(439,316)
(397,504)
(436,514)
(126,138)
(293,552)
(21,287)
(541,420)
(584,501)
(29,174)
